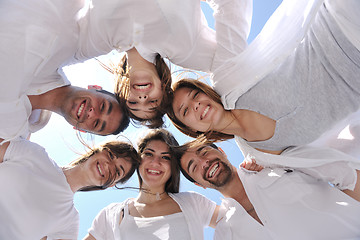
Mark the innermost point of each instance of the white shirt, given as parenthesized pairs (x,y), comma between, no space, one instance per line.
(197,210)
(36,200)
(290,206)
(37,38)
(177,30)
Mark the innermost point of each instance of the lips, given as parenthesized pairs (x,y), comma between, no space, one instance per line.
(213,170)
(100,169)
(142,87)
(153,172)
(206,110)
(81,109)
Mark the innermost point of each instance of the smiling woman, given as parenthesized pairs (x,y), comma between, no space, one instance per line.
(159,211)
(27,170)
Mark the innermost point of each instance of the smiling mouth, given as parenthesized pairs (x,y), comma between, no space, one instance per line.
(81,109)
(142,86)
(99,169)
(155,172)
(213,170)
(206,110)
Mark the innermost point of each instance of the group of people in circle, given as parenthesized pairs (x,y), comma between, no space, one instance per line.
(295,84)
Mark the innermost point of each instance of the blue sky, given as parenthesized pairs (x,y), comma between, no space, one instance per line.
(60,141)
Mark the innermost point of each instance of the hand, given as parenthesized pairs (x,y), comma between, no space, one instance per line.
(250,164)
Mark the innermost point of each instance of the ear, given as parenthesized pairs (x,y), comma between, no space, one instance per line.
(199,185)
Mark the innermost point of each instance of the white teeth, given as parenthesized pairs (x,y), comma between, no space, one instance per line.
(80,109)
(205,111)
(153,171)
(98,166)
(213,170)
(141,87)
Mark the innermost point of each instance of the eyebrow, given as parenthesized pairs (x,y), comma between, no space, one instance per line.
(199,149)
(152,150)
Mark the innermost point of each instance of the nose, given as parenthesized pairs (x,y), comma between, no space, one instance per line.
(91,113)
(156,160)
(204,163)
(145,96)
(196,105)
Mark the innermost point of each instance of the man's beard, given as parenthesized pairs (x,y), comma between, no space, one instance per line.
(223,177)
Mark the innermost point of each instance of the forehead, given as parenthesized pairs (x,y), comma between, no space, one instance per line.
(187,156)
(158,145)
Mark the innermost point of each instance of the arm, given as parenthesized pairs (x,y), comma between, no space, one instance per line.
(3,148)
(232,24)
(214,217)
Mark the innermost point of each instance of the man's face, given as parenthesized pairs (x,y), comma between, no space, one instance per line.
(92,111)
(209,167)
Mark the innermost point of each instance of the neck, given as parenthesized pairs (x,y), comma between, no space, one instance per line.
(136,61)
(148,196)
(50,100)
(231,124)
(73,177)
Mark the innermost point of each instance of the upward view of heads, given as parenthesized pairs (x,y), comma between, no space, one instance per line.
(146,91)
(162,136)
(114,162)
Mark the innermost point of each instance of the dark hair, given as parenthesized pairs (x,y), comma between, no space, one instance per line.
(187,130)
(173,184)
(125,118)
(122,90)
(118,149)
(194,144)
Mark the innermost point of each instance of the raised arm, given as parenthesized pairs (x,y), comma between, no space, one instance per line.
(232,24)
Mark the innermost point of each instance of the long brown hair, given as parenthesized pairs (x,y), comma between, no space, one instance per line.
(122,89)
(173,184)
(187,130)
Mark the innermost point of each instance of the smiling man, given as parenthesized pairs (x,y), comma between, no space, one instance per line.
(270,204)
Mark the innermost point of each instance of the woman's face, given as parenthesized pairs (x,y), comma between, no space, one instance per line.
(102,166)
(196,110)
(145,93)
(155,167)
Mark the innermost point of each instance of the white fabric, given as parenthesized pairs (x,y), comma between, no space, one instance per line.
(279,37)
(37,38)
(36,200)
(197,210)
(291,206)
(176,29)
(173,226)
(327,164)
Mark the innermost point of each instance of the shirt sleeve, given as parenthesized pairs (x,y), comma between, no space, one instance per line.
(203,207)
(99,225)
(232,24)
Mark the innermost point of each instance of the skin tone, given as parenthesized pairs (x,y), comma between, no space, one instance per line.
(210,168)
(88,110)
(199,112)
(155,170)
(145,86)
(94,172)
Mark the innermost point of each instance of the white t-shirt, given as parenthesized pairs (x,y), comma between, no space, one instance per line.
(196,209)
(37,38)
(177,30)
(36,200)
(291,205)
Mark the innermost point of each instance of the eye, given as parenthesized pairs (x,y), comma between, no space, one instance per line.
(194,168)
(185,111)
(148,154)
(102,107)
(132,103)
(166,158)
(111,155)
(118,172)
(153,101)
(196,94)
(96,123)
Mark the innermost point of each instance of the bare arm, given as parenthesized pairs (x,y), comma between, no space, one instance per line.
(355,194)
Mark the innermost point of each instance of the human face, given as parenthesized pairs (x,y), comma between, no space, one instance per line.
(92,111)
(145,93)
(155,167)
(104,168)
(209,167)
(196,110)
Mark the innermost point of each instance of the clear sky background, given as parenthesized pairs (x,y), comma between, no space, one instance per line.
(60,141)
